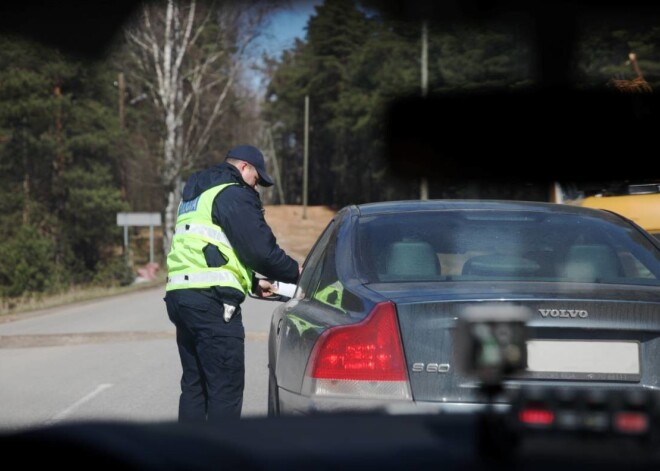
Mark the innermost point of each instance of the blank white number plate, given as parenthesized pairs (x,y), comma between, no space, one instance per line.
(573,356)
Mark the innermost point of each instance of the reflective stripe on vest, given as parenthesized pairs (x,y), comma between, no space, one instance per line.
(209,277)
(195,230)
(205,231)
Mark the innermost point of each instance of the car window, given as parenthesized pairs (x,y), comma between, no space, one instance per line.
(504,245)
(311,267)
(327,287)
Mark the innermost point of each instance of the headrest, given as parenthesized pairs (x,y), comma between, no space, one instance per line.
(591,262)
(412,258)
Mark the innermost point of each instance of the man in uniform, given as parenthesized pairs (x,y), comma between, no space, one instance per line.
(221,240)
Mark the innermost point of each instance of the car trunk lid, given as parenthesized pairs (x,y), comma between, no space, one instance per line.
(595,336)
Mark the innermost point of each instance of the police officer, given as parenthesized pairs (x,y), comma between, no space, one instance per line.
(221,240)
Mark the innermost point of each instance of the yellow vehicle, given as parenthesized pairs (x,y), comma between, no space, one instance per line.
(641,204)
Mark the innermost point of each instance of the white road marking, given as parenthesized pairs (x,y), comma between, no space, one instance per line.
(62,415)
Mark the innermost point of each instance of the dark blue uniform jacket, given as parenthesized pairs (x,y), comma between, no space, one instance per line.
(239,212)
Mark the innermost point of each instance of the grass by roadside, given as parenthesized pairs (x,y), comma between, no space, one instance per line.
(294,234)
(74,295)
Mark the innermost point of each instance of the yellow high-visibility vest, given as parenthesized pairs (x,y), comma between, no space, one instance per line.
(186,264)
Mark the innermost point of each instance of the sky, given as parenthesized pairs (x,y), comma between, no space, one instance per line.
(281,31)
(287,24)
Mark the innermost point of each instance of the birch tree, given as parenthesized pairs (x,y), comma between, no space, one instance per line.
(188,56)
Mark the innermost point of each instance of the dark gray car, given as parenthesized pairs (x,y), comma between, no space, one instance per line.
(374,316)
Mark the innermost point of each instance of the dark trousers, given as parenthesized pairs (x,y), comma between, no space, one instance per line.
(212,356)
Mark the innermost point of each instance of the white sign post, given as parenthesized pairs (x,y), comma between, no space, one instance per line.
(140,219)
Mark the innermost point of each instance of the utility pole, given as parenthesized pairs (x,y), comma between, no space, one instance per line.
(424,184)
(278,179)
(121,86)
(122,93)
(425,59)
(306,157)
(26,169)
(58,167)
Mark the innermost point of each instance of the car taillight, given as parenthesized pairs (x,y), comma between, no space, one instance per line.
(631,422)
(364,359)
(538,417)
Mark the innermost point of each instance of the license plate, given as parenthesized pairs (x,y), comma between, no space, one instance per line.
(583,360)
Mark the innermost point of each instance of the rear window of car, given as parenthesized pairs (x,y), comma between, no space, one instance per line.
(476,245)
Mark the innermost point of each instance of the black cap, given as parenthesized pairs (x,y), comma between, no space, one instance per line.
(253,156)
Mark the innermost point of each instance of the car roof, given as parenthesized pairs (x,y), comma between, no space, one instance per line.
(385,207)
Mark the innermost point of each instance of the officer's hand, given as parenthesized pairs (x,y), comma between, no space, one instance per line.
(265,289)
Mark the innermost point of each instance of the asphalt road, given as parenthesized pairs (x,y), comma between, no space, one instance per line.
(110,359)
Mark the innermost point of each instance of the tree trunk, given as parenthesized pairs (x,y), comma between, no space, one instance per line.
(173,197)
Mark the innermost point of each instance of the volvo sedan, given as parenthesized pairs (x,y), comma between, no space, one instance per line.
(374,318)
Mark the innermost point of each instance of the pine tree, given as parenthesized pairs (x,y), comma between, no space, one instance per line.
(59,179)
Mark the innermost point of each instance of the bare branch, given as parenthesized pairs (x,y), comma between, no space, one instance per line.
(186,36)
(190,82)
(204,137)
(202,25)
(167,55)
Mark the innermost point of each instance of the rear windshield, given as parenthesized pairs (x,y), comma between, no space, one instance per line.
(476,245)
